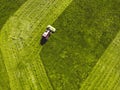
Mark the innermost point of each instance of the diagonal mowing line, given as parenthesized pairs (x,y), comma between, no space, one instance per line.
(20,43)
(106,73)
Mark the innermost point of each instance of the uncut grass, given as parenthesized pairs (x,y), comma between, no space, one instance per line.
(84,31)
(7,8)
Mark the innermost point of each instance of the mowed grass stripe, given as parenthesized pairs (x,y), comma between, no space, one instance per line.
(37,34)
(107,71)
(100,79)
(117,85)
(4,81)
(103,69)
(112,81)
(110,70)
(18,62)
(17,80)
(45,21)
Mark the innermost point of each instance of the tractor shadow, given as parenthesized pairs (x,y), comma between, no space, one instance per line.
(43,41)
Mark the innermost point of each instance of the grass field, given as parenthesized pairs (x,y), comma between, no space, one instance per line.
(8,8)
(106,74)
(20,43)
(78,56)
(85,30)
(4,81)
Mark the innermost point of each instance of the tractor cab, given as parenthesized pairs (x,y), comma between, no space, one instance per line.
(48,32)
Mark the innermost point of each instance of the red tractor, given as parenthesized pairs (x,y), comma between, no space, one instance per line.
(47,33)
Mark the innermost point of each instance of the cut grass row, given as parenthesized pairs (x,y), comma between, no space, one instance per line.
(4,81)
(6,10)
(20,38)
(106,74)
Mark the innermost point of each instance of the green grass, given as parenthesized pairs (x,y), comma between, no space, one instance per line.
(84,31)
(7,8)
(106,74)
(4,81)
(68,61)
(20,46)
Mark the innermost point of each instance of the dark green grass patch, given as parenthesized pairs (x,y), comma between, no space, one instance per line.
(84,31)
(7,8)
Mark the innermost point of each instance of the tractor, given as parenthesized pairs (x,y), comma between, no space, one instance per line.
(47,33)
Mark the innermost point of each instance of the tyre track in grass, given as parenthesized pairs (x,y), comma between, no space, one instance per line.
(20,43)
(106,73)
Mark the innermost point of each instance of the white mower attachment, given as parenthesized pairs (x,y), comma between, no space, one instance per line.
(52,29)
